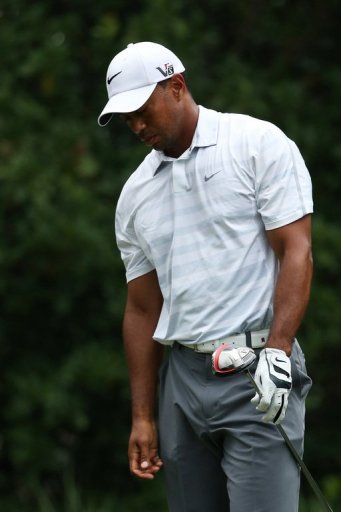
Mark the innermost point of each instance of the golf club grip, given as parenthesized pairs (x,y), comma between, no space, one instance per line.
(296,456)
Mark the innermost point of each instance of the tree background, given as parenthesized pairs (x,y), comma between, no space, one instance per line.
(64,395)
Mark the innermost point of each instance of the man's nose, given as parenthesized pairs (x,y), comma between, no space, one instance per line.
(137,125)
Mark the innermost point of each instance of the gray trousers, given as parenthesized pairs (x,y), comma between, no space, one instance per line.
(219,456)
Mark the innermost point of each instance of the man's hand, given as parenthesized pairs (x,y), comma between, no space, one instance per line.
(144,460)
(273,378)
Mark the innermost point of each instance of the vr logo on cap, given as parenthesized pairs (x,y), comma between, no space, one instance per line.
(168,71)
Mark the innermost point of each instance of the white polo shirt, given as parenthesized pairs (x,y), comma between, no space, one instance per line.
(200,221)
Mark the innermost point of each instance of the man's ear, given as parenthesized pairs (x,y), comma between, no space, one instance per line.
(178,85)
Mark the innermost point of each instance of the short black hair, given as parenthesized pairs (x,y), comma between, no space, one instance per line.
(163,83)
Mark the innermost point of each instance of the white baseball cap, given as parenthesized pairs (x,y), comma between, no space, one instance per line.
(133,75)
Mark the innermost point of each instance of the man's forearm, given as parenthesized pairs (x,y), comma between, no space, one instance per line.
(291,297)
(144,357)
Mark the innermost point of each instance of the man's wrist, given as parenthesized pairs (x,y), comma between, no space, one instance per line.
(280,344)
(143,417)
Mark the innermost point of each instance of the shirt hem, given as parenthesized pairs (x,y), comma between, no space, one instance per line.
(138,273)
(288,220)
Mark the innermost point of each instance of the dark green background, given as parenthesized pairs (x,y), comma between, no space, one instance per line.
(64,392)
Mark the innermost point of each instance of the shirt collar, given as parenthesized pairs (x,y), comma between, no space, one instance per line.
(206,134)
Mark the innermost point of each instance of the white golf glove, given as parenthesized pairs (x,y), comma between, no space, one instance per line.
(273,378)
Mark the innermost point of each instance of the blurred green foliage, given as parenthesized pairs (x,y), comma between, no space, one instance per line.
(64,393)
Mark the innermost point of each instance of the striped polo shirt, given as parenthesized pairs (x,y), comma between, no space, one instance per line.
(200,220)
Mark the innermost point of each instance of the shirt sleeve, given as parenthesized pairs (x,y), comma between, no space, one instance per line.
(135,261)
(283,184)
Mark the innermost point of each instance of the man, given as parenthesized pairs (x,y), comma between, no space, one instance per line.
(214,231)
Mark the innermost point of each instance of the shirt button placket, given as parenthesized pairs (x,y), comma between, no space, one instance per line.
(180,181)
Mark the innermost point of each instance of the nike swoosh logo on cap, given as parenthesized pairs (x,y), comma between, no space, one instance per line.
(109,79)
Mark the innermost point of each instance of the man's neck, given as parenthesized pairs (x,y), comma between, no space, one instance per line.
(185,138)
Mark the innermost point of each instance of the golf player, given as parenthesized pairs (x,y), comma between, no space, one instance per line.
(214,229)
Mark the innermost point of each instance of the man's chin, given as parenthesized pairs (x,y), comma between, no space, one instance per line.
(152,141)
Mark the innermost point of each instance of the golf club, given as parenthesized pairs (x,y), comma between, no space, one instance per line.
(296,456)
(240,360)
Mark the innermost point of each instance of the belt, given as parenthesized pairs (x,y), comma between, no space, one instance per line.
(254,339)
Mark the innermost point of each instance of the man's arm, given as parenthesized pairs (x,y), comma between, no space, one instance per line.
(144,355)
(292,246)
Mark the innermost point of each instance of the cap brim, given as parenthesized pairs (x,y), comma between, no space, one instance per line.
(123,102)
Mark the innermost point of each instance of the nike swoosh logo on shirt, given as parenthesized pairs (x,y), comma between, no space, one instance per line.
(207,178)
(109,79)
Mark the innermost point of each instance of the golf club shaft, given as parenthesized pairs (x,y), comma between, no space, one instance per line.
(296,456)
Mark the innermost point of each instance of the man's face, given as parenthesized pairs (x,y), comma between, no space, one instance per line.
(158,122)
